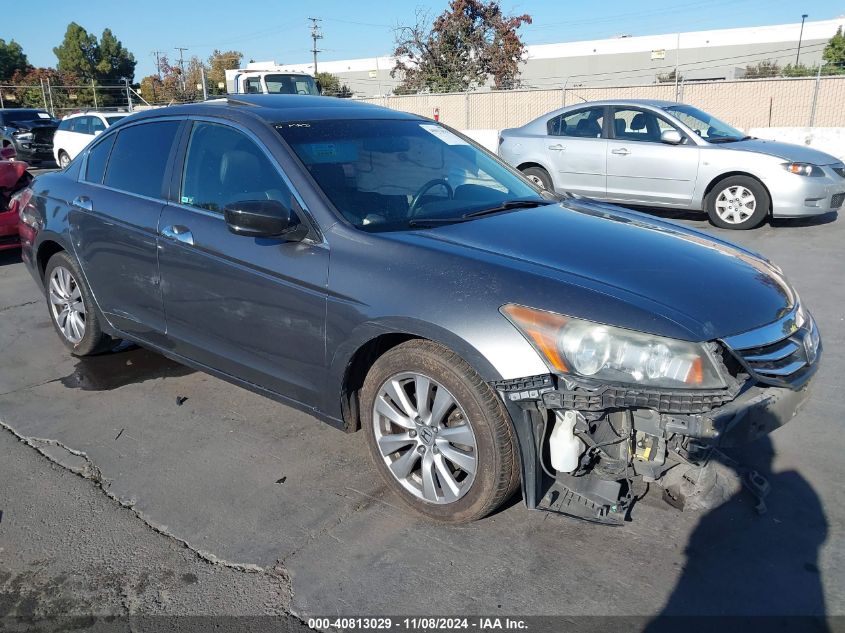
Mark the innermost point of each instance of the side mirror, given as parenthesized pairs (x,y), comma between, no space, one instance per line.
(319,86)
(264,218)
(671,137)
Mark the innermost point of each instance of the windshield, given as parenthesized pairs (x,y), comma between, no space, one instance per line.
(705,125)
(25,115)
(291,85)
(114,119)
(385,175)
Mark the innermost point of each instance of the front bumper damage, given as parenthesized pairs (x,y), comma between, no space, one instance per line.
(655,431)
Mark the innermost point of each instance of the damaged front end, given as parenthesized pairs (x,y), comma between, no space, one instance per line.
(584,442)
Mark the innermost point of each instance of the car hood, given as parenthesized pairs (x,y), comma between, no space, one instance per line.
(787,151)
(706,288)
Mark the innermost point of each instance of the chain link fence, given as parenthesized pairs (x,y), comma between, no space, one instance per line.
(748,103)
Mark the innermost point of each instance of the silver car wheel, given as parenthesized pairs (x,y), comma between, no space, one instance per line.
(536,180)
(66,304)
(735,204)
(425,438)
(64,160)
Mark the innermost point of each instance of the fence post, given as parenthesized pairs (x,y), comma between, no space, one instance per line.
(816,96)
(466,110)
(50,92)
(128,94)
(43,93)
(204,89)
(94,90)
(1,99)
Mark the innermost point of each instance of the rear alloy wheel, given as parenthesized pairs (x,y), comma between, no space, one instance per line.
(64,159)
(72,307)
(438,434)
(738,202)
(539,177)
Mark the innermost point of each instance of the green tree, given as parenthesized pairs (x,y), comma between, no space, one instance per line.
(468,44)
(12,59)
(78,53)
(762,70)
(218,63)
(332,86)
(834,54)
(114,62)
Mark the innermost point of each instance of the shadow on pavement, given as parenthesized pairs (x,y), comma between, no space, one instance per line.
(12,256)
(740,563)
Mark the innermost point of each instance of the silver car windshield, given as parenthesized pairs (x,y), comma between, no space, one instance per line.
(388,175)
(705,125)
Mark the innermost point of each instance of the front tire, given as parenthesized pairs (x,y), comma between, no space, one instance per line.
(64,159)
(738,202)
(438,434)
(71,307)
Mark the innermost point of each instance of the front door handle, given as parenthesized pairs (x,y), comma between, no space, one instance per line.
(179,233)
(557,148)
(83,202)
(621,151)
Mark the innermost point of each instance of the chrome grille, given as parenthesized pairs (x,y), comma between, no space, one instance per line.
(780,353)
(837,200)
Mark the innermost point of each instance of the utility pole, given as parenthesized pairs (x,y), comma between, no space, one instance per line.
(181,50)
(800,37)
(158,62)
(315,35)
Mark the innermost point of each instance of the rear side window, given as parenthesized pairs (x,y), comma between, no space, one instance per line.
(581,124)
(139,158)
(97,159)
(224,166)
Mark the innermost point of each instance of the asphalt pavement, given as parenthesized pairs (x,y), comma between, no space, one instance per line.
(147,469)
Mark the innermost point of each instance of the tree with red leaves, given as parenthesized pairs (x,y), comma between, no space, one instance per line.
(469,45)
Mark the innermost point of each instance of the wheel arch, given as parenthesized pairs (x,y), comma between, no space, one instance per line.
(46,249)
(729,174)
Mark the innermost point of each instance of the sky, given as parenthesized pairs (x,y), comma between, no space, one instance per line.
(280,30)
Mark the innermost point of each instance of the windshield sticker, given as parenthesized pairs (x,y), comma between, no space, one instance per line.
(443,134)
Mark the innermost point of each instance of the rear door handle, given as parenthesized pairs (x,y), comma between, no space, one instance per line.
(83,202)
(621,151)
(557,148)
(179,233)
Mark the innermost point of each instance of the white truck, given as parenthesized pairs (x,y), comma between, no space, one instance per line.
(270,78)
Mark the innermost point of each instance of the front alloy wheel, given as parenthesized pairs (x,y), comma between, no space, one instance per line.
(425,438)
(438,434)
(66,305)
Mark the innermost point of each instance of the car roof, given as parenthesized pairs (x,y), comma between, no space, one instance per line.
(280,109)
(95,112)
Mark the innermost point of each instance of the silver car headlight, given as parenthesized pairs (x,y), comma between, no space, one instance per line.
(613,354)
(804,169)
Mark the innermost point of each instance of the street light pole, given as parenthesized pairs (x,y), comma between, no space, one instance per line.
(800,37)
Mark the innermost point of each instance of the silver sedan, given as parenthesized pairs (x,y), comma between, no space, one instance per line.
(667,154)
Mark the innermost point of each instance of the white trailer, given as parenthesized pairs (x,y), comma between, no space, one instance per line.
(270,78)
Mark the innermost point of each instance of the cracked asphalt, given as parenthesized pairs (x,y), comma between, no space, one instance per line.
(154,489)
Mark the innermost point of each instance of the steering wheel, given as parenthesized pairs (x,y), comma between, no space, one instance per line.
(431,184)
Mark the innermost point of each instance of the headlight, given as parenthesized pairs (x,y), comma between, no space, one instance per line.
(803,169)
(23,136)
(613,354)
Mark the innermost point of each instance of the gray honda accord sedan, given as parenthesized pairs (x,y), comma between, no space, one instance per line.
(384,273)
(668,154)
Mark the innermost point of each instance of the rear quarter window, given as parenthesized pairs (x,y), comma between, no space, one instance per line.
(139,158)
(98,156)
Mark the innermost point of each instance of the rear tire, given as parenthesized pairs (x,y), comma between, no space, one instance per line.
(539,177)
(72,309)
(64,159)
(738,202)
(450,457)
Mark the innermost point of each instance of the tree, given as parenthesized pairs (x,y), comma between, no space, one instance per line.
(834,52)
(332,86)
(12,59)
(469,43)
(78,53)
(114,63)
(218,63)
(104,61)
(761,70)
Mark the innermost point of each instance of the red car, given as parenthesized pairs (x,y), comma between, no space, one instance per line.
(13,180)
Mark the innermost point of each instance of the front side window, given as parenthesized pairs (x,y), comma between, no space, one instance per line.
(111,120)
(634,124)
(97,125)
(139,158)
(223,166)
(80,125)
(392,174)
(583,124)
(705,125)
(253,86)
(97,158)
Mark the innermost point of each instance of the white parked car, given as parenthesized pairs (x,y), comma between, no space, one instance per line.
(76,131)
